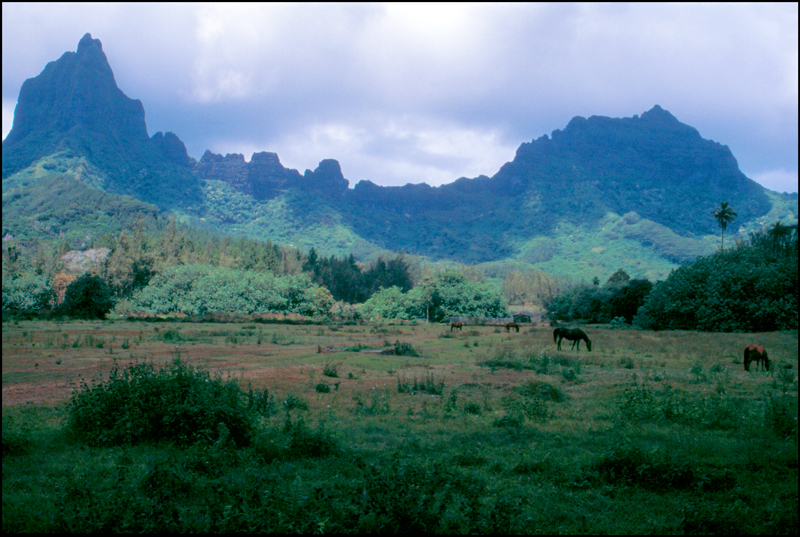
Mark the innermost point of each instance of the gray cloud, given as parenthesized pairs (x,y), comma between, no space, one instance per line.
(404,93)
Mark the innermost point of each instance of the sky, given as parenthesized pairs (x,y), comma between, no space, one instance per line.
(412,93)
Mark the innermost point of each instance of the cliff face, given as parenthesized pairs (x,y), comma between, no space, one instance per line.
(264,177)
(74,106)
(653,165)
(656,171)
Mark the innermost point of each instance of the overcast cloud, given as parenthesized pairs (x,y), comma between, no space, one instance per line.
(401,93)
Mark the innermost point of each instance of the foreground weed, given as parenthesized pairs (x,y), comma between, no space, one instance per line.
(404,349)
(427,385)
(331,370)
(293,402)
(543,390)
(140,403)
(630,465)
(378,406)
(715,411)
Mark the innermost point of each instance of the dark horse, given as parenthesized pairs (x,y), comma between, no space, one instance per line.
(755,353)
(456,326)
(509,326)
(573,334)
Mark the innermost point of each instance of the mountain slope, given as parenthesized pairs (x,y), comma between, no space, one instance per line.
(75,107)
(605,193)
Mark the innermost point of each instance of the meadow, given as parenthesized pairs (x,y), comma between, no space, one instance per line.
(402,427)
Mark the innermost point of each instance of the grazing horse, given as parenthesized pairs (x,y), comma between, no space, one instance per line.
(458,325)
(509,326)
(572,334)
(755,353)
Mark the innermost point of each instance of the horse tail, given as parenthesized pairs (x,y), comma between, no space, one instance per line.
(747,359)
(766,360)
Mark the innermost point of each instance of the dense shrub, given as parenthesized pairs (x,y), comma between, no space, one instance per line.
(630,465)
(88,297)
(619,298)
(744,289)
(200,289)
(177,403)
(444,295)
(349,283)
(715,411)
(27,292)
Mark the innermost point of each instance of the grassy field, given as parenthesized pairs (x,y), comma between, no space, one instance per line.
(481,431)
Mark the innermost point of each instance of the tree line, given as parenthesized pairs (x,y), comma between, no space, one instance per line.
(173,268)
(751,287)
(349,283)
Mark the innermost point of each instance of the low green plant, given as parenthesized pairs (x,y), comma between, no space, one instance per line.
(331,370)
(782,416)
(16,437)
(473,408)
(428,385)
(543,390)
(379,404)
(293,402)
(630,465)
(404,349)
(714,411)
(698,373)
(307,443)
(142,403)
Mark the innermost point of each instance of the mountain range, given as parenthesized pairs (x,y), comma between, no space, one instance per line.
(601,194)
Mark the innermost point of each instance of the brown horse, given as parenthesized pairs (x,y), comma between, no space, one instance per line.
(755,353)
(456,326)
(509,326)
(572,334)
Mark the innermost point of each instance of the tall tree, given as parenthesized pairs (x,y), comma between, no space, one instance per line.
(779,236)
(724,215)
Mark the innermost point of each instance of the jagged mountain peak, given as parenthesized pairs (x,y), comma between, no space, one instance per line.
(74,107)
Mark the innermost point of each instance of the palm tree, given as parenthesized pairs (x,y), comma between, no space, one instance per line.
(779,237)
(724,215)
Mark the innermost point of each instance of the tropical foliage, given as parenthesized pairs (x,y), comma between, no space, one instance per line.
(87,297)
(347,282)
(744,289)
(26,292)
(619,297)
(724,215)
(437,298)
(201,289)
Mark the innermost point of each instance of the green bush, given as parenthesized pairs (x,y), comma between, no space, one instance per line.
(543,390)
(630,465)
(715,411)
(439,297)
(404,349)
(27,292)
(782,416)
(16,438)
(306,443)
(202,289)
(616,302)
(292,402)
(177,403)
(744,289)
(426,385)
(88,297)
